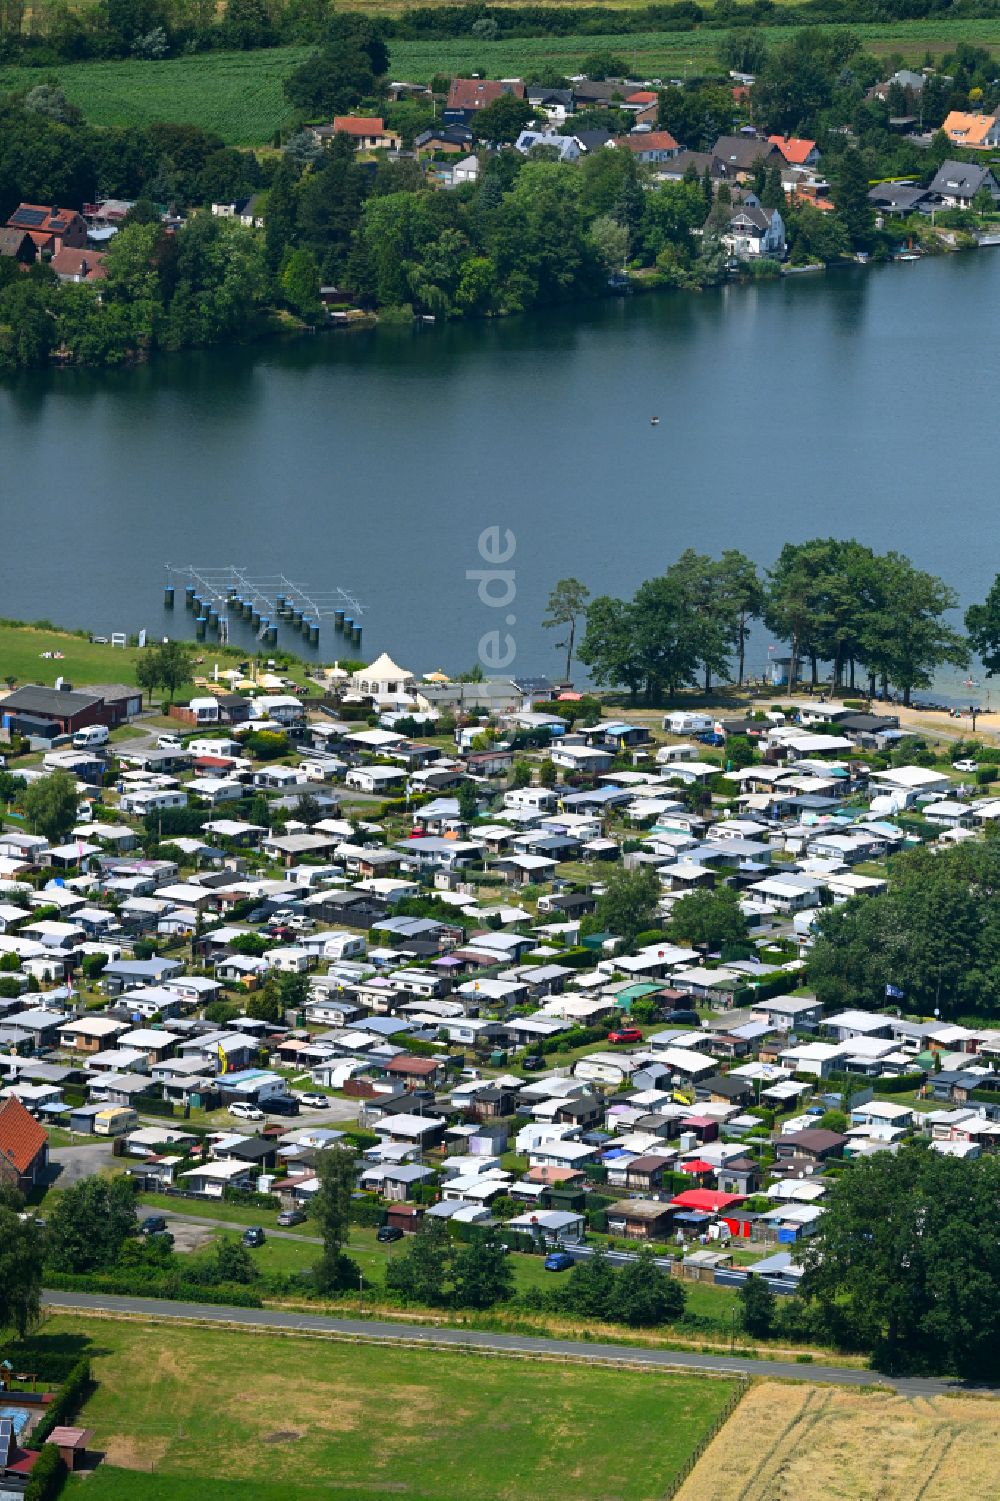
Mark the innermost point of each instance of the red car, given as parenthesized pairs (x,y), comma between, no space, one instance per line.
(625,1034)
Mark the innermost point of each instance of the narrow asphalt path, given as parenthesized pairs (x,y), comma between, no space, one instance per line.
(516,1344)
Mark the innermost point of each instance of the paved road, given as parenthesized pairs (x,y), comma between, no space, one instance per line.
(272,1318)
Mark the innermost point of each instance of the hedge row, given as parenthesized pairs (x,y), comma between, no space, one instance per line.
(47,1477)
(138,1283)
(68,1401)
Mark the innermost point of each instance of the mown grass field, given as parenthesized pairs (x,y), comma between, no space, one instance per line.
(240,94)
(176,1405)
(22,649)
(808,1443)
(21,657)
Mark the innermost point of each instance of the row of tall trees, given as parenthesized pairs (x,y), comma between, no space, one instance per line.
(831,601)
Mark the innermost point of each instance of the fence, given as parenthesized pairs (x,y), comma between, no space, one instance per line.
(718,1424)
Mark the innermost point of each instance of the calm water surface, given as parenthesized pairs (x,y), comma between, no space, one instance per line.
(861,403)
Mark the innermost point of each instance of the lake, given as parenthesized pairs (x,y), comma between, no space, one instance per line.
(859,403)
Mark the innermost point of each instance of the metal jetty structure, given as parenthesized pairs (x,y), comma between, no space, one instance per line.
(219,597)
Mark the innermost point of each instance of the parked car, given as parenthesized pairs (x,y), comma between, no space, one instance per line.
(169,742)
(558,1261)
(532,1062)
(965,765)
(245,1112)
(711,738)
(315,1101)
(164,1236)
(301,923)
(253,1237)
(625,1034)
(152,1224)
(683,1018)
(290,1217)
(388,1232)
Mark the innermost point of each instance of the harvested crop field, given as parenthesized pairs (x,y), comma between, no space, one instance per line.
(810,1443)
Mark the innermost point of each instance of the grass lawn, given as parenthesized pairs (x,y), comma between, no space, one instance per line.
(240,94)
(21,649)
(178,1404)
(83,661)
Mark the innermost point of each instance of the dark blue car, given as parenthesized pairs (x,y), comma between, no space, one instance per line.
(558,1261)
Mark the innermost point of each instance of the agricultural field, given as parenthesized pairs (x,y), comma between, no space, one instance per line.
(178,1403)
(240,94)
(809,1443)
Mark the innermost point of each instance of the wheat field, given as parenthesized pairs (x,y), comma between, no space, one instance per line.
(812,1443)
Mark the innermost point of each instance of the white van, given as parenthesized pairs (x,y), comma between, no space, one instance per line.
(94,734)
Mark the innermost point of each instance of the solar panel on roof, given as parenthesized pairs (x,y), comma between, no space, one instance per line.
(30,216)
(6,1439)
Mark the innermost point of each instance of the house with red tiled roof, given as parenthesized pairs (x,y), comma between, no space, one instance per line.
(368,132)
(467,96)
(50,228)
(652,146)
(24,1146)
(71,264)
(977,132)
(797,151)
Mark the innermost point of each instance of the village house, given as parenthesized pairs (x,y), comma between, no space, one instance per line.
(976,132)
(652,147)
(24,1147)
(955,185)
(367,132)
(51,229)
(467,96)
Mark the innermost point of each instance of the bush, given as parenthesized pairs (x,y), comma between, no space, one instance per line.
(250,1198)
(48,1476)
(366,1212)
(904,1084)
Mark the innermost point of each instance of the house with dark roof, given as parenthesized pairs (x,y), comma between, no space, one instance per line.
(736,158)
(748,230)
(956,184)
(67,710)
(17,245)
(684,163)
(898,199)
(454,140)
(24,1147)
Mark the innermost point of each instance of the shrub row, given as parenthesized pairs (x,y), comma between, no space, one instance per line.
(141,1283)
(69,1399)
(47,1477)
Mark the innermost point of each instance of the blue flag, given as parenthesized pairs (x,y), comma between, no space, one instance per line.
(894,993)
